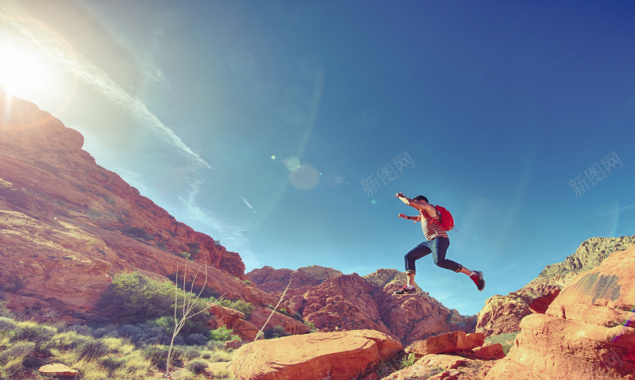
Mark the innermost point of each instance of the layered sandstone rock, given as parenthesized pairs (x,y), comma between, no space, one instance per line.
(443,367)
(458,343)
(586,331)
(68,225)
(275,281)
(502,314)
(334,355)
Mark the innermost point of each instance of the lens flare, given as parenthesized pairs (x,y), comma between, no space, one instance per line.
(305,177)
(291,163)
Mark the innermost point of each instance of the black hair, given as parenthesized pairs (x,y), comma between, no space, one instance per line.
(420,198)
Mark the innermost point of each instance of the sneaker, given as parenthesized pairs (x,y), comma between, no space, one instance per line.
(406,290)
(477,277)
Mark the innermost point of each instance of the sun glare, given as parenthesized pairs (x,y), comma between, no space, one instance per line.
(22,72)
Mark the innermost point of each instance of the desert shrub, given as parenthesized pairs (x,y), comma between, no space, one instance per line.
(190,353)
(220,372)
(135,366)
(275,332)
(92,349)
(408,361)
(80,329)
(17,350)
(68,340)
(193,332)
(4,312)
(218,355)
(183,374)
(197,365)
(133,297)
(196,339)
(111,363)
(137,232)
(506,340)
(117,345)
(12,359)
(7,324)
(222,334)
(157,354)
(143,334)
(32,332)
(240,305)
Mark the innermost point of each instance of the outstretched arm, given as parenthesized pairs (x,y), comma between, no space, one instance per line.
(415,218)
(421,206)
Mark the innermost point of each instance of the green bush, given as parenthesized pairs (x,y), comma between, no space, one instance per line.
(137,232)
(222,334)
(190,353)
(17,350)
(92,349)
(240,305)
(67,340)
(408,361)
(112,362)
(275,332)
(158,354)
(7,324)
(133,297)
(41,335)
(197,365)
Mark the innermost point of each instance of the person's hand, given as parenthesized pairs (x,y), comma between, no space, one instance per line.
(400,195)
(402,216)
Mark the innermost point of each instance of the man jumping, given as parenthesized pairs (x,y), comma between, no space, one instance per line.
(437,243)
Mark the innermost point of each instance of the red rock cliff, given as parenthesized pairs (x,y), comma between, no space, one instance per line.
(67,225)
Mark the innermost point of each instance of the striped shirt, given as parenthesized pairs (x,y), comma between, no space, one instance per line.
(431,228)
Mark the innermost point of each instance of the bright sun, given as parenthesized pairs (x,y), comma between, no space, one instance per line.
(22,72)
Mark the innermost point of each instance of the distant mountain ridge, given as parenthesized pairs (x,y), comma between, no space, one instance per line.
(334,301)
(588,256)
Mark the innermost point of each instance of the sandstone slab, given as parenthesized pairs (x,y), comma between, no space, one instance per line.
(444,343)
(333,355)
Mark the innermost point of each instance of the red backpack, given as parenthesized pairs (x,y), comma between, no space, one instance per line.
(446,221)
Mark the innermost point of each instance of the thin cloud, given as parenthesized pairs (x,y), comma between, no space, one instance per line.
(63,54)
(246,202)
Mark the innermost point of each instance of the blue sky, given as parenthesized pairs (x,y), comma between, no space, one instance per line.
(284,128)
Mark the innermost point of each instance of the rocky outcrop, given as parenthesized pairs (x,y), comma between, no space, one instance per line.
(275,281)
(458,343)
(332,355)
(352,302)
(68,225)
(503,314)
(444,367)
(585,333)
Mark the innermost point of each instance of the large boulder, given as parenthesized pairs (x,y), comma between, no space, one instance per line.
(585,332)
(333,355)
(502,314)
